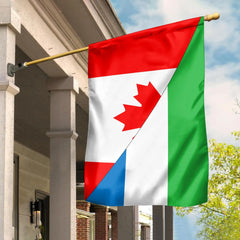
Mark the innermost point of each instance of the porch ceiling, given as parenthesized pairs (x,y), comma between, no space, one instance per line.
(93,20)
(32,112)
(79,18)
(50,27)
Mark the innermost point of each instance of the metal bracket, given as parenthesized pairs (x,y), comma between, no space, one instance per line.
(12,69)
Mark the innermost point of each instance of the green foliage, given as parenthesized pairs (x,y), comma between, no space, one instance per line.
(220,216)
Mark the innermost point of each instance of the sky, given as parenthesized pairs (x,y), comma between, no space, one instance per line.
(222,63)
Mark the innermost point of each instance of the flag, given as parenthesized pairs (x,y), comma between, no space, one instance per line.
(147,141)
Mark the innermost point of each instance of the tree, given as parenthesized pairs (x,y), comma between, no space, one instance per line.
(220,216)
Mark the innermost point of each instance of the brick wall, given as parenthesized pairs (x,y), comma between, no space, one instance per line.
(145,232)
(101,223)
(83,223)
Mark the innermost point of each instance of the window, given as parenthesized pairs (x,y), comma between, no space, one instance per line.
(15,216)
(44,203)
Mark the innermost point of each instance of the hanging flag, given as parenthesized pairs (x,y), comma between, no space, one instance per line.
(147,140)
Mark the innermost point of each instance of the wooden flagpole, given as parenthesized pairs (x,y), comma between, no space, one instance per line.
(12,69)
(55,56)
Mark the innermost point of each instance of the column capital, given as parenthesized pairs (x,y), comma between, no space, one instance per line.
(62,134)
(63,84)
(8,17)
(9,87)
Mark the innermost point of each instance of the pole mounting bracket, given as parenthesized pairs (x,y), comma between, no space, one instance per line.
(12,69)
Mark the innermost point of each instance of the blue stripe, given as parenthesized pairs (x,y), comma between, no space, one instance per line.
(110,191)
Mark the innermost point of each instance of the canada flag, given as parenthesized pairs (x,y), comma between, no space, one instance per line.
(147,138)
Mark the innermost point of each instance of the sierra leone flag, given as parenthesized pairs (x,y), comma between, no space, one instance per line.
(147,138)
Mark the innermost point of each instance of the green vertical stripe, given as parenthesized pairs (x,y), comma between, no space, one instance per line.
(187,141)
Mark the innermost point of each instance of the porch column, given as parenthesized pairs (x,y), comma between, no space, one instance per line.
(9,26)
(158,222)
(62,158)
(169,223)
(145,232)
(128,223)
(114,220)
(162,223)
(101,222)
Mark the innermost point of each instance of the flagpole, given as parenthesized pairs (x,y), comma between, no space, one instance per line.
(12,69)
(26,64)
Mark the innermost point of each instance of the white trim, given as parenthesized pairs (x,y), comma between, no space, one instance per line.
(108,23)
(59,25)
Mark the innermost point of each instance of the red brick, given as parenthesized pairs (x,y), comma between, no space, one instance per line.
(101,223)
(83,223)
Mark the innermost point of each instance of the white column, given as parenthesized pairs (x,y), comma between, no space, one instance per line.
(62,158)
(9,25)
(128,223)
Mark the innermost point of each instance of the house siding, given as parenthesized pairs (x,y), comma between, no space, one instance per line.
(33,175)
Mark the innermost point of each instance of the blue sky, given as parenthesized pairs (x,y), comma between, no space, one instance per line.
(222,60)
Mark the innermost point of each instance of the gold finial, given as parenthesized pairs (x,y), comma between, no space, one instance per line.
(210,17)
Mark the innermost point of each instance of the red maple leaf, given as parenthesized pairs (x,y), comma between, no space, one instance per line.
(135,116)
